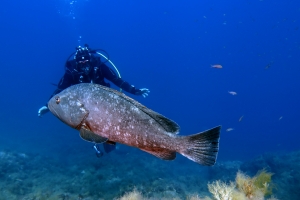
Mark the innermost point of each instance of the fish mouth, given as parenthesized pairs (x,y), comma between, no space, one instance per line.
(52,110)
(55,113)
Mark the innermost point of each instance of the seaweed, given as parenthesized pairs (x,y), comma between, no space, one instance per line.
(221,190)
(245,187)
(263,180)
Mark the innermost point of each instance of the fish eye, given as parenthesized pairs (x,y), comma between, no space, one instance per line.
(57,100)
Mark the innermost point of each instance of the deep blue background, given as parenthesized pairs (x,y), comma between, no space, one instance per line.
(168,47)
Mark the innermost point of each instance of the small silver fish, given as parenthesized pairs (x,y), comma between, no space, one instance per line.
(232,92)
(241,118)
(102,114)
(217,66)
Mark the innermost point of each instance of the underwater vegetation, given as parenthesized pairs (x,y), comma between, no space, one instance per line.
(80,175)
(220,190)
(133,195)
(244,188)
(285,167)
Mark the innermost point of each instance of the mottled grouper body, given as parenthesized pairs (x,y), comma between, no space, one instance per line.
(102,114)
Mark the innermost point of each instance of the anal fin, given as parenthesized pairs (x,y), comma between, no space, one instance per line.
(161,153)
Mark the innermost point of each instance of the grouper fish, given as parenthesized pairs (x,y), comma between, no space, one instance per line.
(102,114)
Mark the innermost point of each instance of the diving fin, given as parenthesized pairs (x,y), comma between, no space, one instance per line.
(109,146)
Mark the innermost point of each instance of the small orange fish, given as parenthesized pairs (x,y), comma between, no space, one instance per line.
(216,66)
(232,92)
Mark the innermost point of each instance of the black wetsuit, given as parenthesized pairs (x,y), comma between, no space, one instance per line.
(99,71)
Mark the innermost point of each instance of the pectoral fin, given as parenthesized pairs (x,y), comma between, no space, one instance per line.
(90,136)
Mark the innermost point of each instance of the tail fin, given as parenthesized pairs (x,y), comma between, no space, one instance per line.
(202,147)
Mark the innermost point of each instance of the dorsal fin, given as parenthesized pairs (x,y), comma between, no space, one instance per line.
(169,125)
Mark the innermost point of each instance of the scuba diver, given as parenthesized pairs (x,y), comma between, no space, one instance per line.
(87,67)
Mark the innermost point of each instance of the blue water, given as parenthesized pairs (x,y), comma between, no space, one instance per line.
(167,47)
